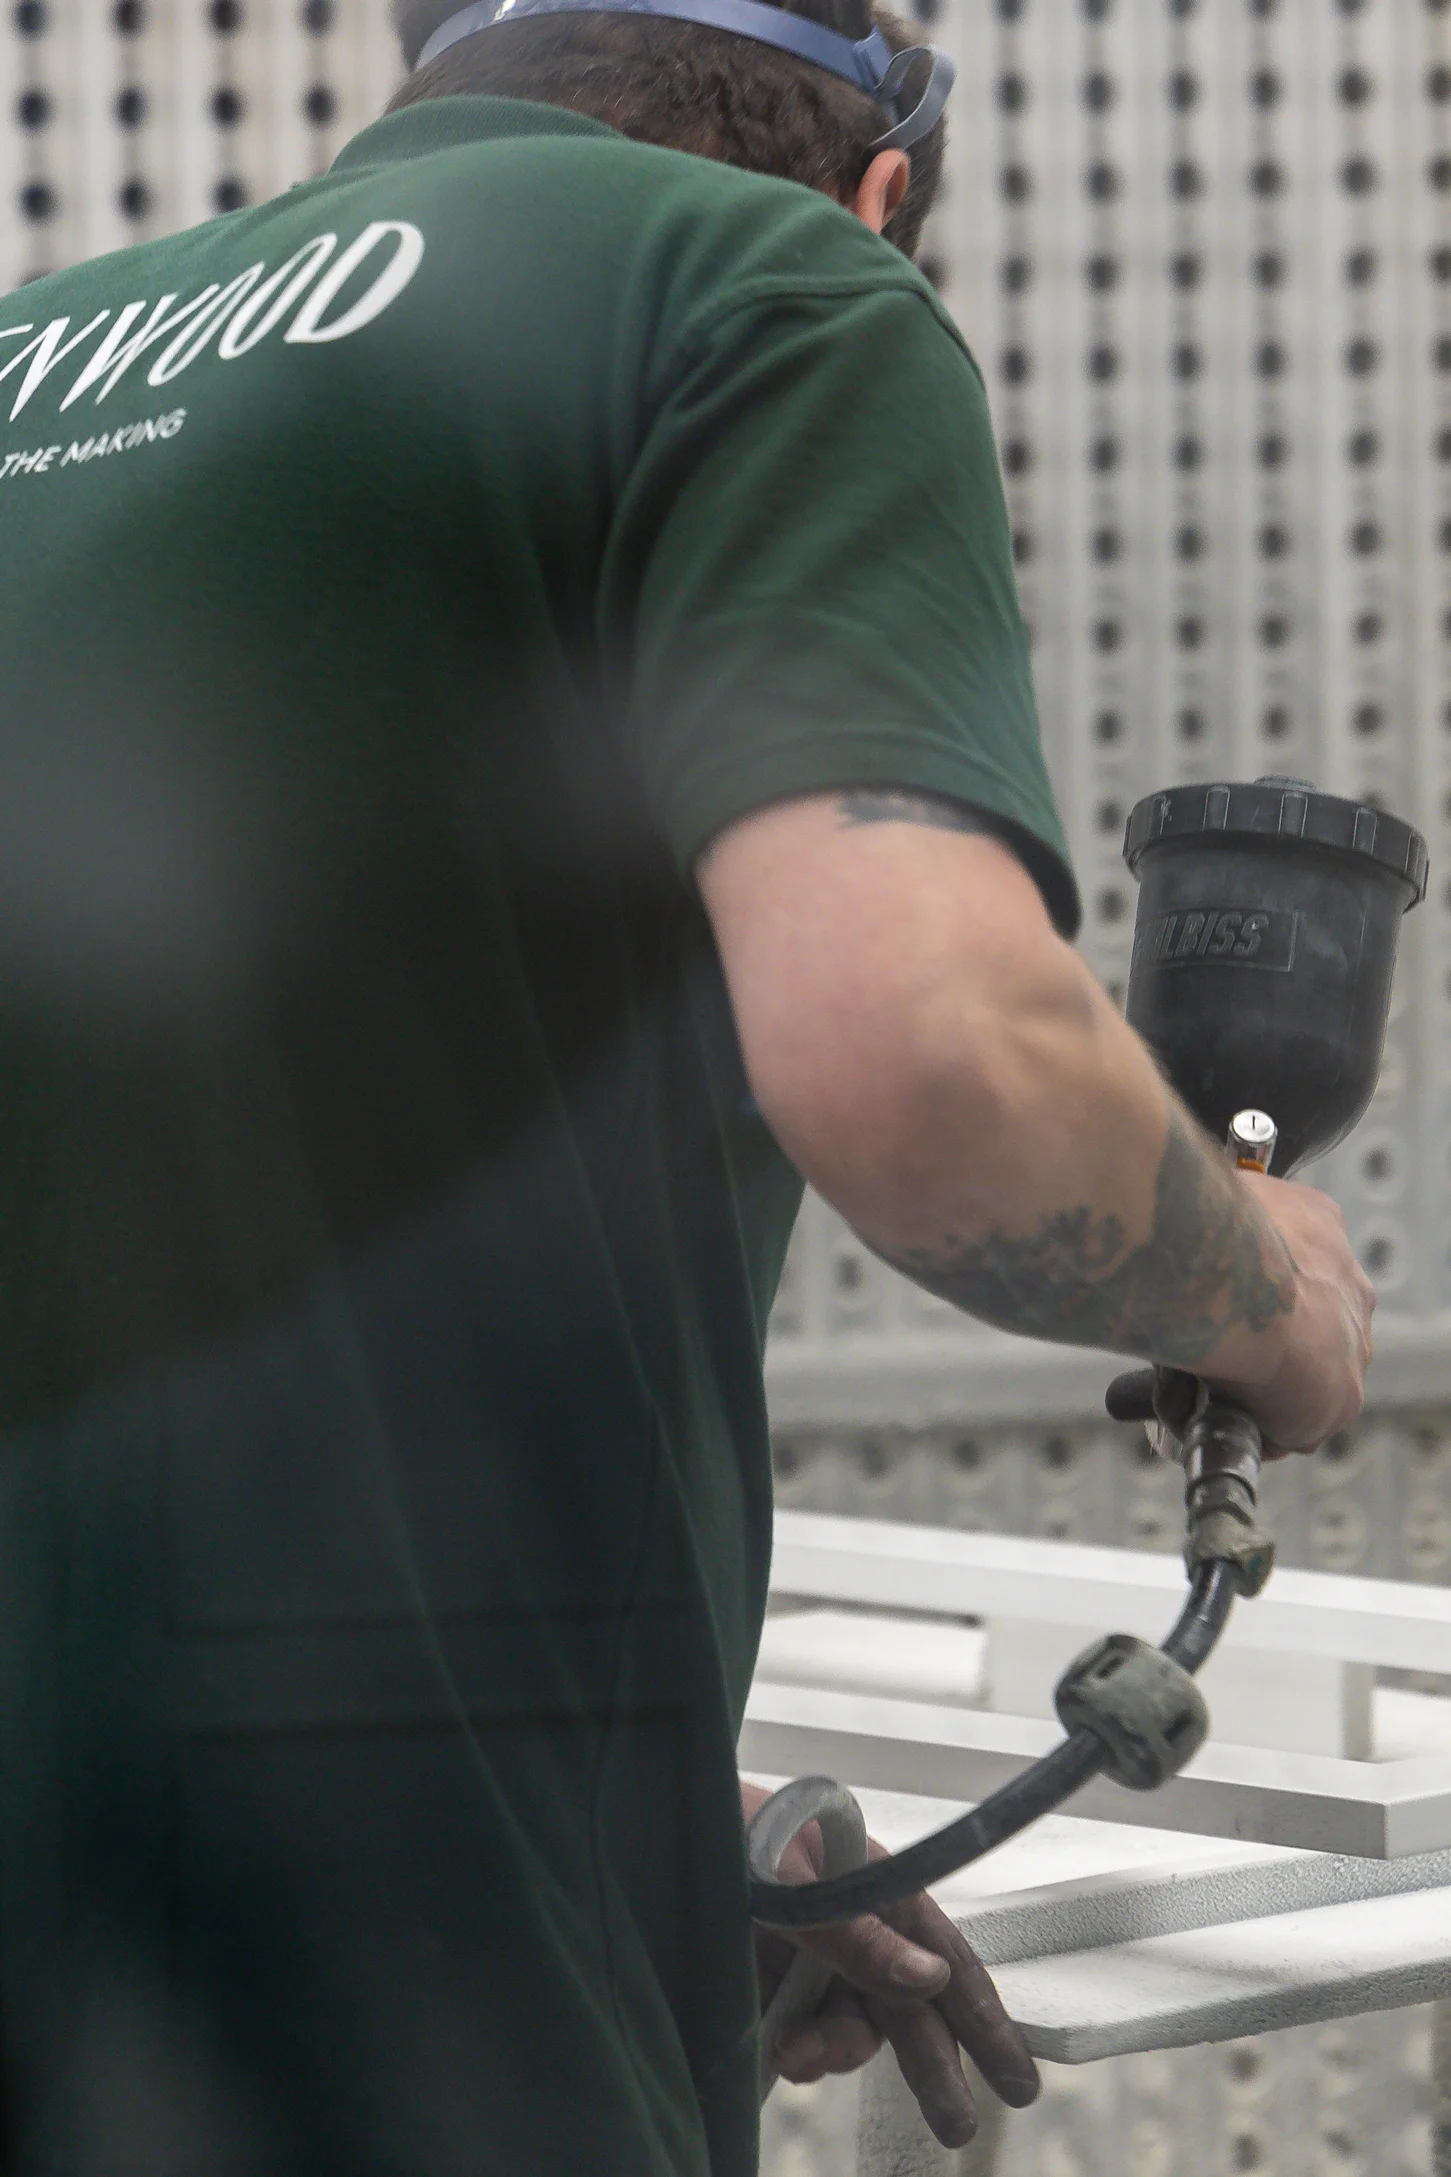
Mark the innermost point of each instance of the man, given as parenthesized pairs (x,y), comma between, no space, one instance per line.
(517,745)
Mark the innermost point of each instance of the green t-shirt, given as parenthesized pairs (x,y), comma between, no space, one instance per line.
(403,581)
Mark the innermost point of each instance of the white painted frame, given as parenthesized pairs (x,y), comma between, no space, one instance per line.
(893,1565)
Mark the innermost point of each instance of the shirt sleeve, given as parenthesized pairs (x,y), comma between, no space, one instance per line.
(823,593)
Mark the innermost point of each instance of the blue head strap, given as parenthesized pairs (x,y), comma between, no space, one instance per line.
(869,63)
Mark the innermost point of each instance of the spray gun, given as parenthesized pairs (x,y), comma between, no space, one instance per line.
(1264,949)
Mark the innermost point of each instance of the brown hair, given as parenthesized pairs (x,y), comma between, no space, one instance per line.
(690,89)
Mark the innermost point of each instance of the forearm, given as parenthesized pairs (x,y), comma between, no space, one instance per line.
(1056,1187)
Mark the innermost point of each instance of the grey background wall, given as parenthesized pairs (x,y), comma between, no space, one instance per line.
(128,118)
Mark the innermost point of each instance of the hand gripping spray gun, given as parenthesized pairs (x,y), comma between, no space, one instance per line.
(1264,948)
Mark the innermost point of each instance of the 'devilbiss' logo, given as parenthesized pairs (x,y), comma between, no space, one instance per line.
(1259,938)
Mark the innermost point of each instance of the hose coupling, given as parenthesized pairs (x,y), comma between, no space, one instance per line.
(1222,1454)
(1143,1708)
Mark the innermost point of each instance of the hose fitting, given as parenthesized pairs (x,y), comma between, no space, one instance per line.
(1221,1456)
(1140,1704)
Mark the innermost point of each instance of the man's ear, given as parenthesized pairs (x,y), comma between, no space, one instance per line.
(882,188)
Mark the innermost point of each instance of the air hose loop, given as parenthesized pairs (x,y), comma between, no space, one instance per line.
(1129,1709)
(1034,1791)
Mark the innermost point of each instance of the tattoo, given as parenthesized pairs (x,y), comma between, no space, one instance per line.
(1207,1266)
(889,805)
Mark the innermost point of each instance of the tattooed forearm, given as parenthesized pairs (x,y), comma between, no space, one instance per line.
(891,805)
(1208,1265)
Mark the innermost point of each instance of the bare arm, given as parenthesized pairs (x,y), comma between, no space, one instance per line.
(948,1073)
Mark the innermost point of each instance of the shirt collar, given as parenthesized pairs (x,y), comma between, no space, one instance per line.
(437,124)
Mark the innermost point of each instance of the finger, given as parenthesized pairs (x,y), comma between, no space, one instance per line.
(913,1950)
(926,2052)
(877,1958)
(972,2007)
(831,2042)
(974,2011)
(869,1951)
(799,2056)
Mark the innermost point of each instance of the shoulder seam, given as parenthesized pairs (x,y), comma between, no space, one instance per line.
(783,287)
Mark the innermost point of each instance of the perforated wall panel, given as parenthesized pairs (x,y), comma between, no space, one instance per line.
(1377,1501)
(127,118)
(1203,253)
